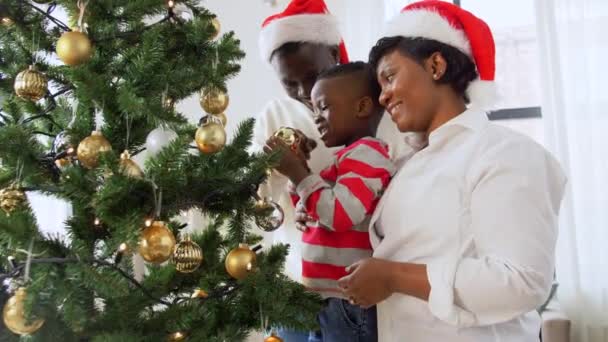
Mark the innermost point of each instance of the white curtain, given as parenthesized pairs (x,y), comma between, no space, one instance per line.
(573,37)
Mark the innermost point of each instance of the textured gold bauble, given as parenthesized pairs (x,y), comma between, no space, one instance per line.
(187,256)
(210,137)
(14,315)
(288,135)
(128,167)
(240,262)
(214,100)
(11,198)
(270,215)
(89,149)
(273,338)
(74,47)
(217,27)
(176,336)
(156,243)
(31,84)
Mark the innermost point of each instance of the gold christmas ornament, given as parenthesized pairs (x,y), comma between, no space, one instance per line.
(214,100)
(7,21)
(187,256)
(89,149)
(31,84)
(271,215)
(288,135)
(215,22)
(156,243)
(14,315)
(11,198)
(74,47)
(210,137)
(273,338)
(128,167)
(176,336)
(168,103)
(240,262)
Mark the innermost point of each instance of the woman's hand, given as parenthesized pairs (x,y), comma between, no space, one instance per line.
(368,283)
(291,164)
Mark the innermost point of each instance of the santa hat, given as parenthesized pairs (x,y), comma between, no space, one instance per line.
(451,25)
(302,21)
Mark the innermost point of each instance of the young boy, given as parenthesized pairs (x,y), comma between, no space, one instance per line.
(342,198)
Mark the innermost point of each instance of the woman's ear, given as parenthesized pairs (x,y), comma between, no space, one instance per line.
(365,107)
(436,66)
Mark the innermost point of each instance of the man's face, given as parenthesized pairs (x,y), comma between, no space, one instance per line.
(298,69)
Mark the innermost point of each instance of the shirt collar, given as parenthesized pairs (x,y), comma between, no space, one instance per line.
(471,119)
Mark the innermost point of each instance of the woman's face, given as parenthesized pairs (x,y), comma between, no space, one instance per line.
(408,92)
(298,70)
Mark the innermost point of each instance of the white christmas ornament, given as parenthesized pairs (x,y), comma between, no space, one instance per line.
(158,139)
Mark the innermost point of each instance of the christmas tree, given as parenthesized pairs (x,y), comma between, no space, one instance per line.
(69,128)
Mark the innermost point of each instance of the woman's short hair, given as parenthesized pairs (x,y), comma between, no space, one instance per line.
(460,69)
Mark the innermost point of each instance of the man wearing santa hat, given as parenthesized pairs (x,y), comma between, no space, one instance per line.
(300,43)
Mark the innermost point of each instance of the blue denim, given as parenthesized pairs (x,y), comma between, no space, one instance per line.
(340,322)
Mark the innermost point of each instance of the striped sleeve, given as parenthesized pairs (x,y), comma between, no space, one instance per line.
(363,171)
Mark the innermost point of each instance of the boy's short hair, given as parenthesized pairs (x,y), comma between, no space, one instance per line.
(357,69)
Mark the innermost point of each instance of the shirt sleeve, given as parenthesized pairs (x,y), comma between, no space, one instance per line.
(361,174)
(515,195)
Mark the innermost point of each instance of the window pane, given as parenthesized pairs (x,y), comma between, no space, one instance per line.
(513,25)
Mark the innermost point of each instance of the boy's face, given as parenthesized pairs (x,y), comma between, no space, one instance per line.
(335,107)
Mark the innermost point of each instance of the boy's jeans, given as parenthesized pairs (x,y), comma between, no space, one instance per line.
(340,322)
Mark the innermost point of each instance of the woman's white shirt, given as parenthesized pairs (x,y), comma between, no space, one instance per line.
(478,205)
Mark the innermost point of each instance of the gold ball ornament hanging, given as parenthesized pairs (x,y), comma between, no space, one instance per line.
(74,47)
(31,84)
(168,103)
(14,315)
(91,147)
(215,22)
(271,215)
(240,262)
(187,256)
(214,100)
(11,198)
(176,336)
(210,137)
(7,21)
(128,167)
(273,338)
(156,243)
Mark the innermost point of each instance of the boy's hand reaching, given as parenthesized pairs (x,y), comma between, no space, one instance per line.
(291,164)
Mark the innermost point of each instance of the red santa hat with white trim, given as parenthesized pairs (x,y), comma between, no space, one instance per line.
(307,21)
(451,25)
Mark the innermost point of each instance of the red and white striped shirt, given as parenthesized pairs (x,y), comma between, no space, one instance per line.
(341,199)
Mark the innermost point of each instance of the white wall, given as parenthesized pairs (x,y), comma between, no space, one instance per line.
(257,83)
